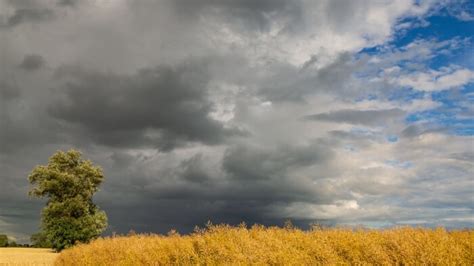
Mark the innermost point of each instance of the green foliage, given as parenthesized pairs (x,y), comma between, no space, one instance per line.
(3,241)
(40,240)
(69,182)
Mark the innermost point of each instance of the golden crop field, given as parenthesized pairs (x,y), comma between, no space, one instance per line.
(27,256)
(258,245)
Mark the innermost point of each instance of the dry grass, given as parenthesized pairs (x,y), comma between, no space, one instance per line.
(225,245)
(27,256)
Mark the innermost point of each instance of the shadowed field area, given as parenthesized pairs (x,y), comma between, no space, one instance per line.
(27,256)
(226,245)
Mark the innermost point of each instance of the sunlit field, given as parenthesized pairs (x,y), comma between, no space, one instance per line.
(27,256)
(226,245)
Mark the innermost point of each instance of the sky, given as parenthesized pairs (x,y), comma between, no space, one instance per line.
(337,112)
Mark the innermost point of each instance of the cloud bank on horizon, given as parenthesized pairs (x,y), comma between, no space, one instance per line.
(342,112)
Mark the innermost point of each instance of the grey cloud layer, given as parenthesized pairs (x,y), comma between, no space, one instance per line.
(162,106)
(248,187)
(194,109)
(360,117)
(32,62)
(25,11)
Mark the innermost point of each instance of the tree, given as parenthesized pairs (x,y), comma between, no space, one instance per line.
(3,241)
(40,240)
(69,183)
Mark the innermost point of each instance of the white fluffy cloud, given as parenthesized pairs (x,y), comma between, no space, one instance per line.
(433,80)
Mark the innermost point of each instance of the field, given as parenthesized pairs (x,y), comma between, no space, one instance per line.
(258,245)
(27,256)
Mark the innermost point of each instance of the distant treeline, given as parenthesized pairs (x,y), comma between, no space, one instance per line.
(5,242)
(38,240)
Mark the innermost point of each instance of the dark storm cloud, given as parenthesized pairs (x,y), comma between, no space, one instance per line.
(160,216)
(20,126)
(294,84)
(341,14)
(253,181)
(355,138)
(261,174)
(29,15)
(247,163)
(244,14)
(193,170)
(9,95)
(267,174)
(250,5)
(17,135)
(32,62)
(163,106)
(32,11)
(8,91)
(67,2)
(360,117)
(166,129)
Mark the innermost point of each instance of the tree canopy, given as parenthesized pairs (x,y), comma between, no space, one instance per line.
(69,182)
(39,240)
(3,241)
